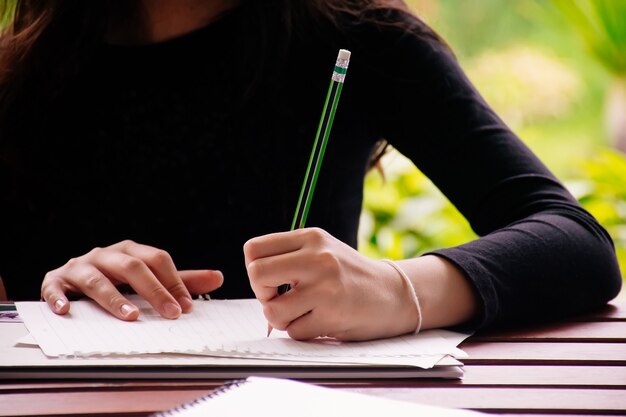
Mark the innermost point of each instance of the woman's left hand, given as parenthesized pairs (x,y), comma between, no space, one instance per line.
(335,291)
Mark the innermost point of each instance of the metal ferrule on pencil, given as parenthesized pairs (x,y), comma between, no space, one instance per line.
(341,66)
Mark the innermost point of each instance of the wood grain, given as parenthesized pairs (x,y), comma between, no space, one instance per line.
(611,331)
(519,400)
(511,400)
(545,353)
(546,376)
(94,403)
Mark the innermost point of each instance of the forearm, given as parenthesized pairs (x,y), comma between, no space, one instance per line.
(547,266)
(446,296)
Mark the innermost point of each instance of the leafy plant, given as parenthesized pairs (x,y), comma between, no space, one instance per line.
(7,11)
(602,191)
(405,215)
(602,25)
(600,188)
(525,85)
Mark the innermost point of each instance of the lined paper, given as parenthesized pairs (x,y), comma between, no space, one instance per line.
(229,328)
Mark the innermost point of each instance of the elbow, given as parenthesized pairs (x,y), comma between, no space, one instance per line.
(597,261)
(611,278)
(591,258)
(603,266)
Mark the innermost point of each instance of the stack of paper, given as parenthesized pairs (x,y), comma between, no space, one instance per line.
(219,329)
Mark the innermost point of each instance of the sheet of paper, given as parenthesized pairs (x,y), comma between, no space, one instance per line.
(231,328)
(18,348)
(269,397)
(28,362)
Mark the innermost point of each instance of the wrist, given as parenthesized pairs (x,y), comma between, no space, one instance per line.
(447,297)
(409,319)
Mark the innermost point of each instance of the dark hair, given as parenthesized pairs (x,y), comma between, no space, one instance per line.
(44,42)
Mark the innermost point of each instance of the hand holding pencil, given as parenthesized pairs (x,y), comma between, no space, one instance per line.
(319,148)
(319,145)
(339,291)
(336,291)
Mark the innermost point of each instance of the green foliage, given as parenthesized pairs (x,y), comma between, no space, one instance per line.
(468,26)
(602,191)
(7,11)
(404,215)
(602,25)
(525,85)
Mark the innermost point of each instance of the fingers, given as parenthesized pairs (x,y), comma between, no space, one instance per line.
(149,271)
(161,282)
(299,258)
(136,273)
(280,243)
(306,316)
(307,327)
(266,274)
(97,286)
(314,259)
(53,293)
(315,324)
(281,311)
(202,281)
(100,287)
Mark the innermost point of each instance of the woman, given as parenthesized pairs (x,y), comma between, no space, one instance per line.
(168,134)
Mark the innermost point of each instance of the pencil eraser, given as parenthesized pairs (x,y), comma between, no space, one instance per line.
(344,54)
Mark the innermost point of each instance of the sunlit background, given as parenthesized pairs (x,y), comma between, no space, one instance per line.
(555,71)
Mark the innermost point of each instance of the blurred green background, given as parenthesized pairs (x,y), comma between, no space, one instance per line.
(555,71)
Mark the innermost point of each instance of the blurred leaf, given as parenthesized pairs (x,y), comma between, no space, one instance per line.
(605,196)
(525,85)
(406,215)
(7,11)
(602,26)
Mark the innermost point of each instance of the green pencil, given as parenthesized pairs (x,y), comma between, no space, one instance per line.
(319,145)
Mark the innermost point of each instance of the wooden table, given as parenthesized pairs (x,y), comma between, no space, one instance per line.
(575,367)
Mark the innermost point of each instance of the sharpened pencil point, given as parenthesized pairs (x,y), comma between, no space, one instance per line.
(269,330)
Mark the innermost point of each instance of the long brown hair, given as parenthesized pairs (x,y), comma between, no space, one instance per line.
(43,42)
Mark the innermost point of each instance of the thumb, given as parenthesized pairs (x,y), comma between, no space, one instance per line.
(201,281)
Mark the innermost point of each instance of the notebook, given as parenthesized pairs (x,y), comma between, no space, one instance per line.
(271,397)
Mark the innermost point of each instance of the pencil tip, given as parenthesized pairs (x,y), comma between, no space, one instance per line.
(269,330)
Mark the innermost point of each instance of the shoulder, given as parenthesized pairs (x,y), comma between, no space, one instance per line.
(394,43)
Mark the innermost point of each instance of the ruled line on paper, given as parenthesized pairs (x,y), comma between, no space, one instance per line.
(234,328)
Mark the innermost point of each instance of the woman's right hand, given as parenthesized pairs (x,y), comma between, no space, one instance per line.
(148,270)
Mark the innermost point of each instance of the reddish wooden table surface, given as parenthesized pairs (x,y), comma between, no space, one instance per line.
(576,367)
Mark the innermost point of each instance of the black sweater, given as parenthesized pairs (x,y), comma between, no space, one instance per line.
(182,145)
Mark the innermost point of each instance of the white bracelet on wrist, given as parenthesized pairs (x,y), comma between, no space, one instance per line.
(409,284)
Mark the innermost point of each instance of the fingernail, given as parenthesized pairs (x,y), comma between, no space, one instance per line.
(126,309)
(59,304)
(185,303)
(171,310)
